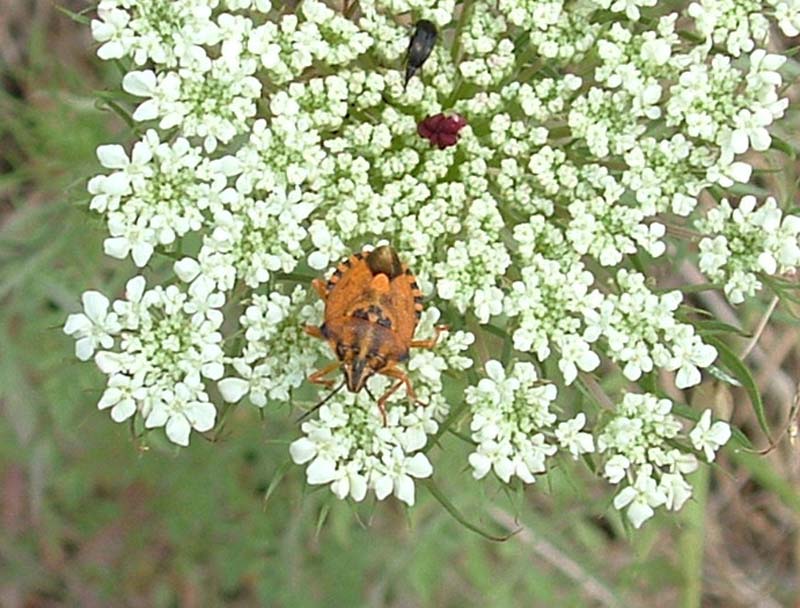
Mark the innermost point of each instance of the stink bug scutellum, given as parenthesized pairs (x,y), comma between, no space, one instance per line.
(372,307)
(419,47)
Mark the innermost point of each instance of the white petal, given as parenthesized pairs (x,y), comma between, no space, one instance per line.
(117,184)
(134,289)
(302,450)
(480,465)
(704,355)
(95,305)
(760,139)
(202,416)
(504,468)
(84,348)
(178,430)
(213,370)
(739,142)
(624,498)
(112,49)
(108,363)
(687,376)
(77,323)
(156,418)
(404,489)
(187,269)
(322,470)
(141,84)
(233,389)
(117,247)
(110,397)
(495,371)
(123,410)
(419,466)
(112,156)
(719,433)
(142,153)
(341,488)
(639,512)
(141,253)
(383,487)
(358,487)
(318,260)
(147,110)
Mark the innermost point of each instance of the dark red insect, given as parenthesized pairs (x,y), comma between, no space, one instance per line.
(442,130)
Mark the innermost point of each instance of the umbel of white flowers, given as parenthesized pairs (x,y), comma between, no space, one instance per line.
(251,167)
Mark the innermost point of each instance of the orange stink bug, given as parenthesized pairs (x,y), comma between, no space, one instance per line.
(372,307)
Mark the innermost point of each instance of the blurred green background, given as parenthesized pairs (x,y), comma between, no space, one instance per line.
(91,518)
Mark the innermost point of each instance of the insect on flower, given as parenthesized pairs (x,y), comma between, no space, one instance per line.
(372,307)
(419,47)
(442,130)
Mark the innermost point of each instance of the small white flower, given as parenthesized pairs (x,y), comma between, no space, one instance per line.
(710,438)
(94,327)
(640,498)
(676,490)
(569,436)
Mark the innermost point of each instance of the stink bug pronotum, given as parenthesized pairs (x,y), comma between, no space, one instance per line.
(372,307)
(419,47)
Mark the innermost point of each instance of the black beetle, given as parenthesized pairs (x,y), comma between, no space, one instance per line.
(419,47)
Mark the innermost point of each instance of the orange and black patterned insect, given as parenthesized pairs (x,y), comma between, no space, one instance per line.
(372,307)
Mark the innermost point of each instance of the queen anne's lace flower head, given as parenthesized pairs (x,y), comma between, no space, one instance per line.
(541,166)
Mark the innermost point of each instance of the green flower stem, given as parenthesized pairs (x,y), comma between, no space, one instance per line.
(437,493)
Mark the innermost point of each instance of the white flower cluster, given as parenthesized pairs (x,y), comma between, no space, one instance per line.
(168,341)
(711,103)
(543,149)
(639,446)
(278,355)
(745,241)
(513,427)
(738,25)
(153,197)
(350,448)
(787,13)
(641,332)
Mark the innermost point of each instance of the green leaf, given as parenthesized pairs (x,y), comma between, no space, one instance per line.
(276,479)
(767,477)
(721,374)
(711,327)
(784,146)
(739,370)
(77,17)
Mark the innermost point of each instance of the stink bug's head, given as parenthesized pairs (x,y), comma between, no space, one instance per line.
(358,367)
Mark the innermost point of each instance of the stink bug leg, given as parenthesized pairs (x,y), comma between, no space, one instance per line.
(320,288)
(402,379)
(313,331)
(430,342)
(318,377)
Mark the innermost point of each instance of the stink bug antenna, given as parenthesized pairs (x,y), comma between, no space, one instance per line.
(322,402)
